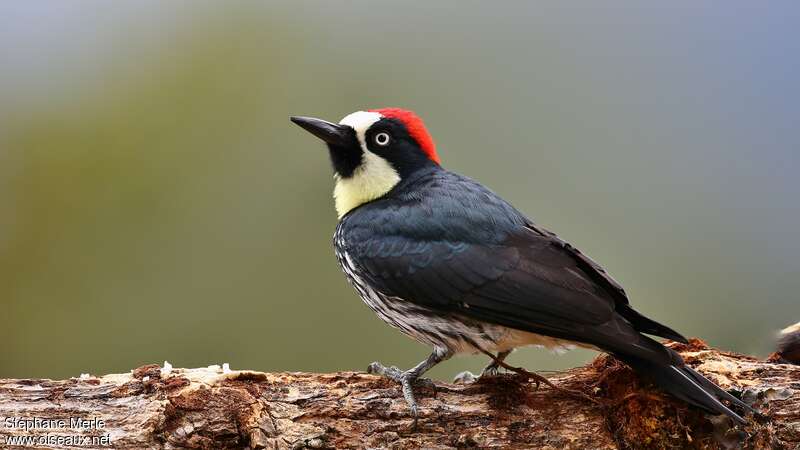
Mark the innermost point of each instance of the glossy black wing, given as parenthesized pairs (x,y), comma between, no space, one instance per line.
(600,276)
(527,282)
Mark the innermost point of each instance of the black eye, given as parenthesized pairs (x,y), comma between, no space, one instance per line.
(382,139)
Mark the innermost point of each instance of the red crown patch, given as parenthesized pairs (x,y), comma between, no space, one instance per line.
(416,128)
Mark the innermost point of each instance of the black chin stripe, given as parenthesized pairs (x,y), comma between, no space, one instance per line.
(345,160)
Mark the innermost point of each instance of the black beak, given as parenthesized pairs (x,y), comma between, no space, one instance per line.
(331,133)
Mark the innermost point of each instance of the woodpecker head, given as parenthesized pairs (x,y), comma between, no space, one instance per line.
(372,151)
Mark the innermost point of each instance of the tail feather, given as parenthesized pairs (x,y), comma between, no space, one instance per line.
(688,385)
(644,325)
(718,391)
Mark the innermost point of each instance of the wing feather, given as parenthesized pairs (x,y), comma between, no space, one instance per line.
(528,277)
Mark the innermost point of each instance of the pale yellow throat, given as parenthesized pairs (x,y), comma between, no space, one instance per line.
(372,179)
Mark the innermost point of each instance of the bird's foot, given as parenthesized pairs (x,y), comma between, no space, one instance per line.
(395,374)
(538,379)
(392,373)
(492,370)
(407,380)
(467,377)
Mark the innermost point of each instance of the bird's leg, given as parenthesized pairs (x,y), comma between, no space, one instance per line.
(540,379)
(520,371)
(494,367)
(408,378)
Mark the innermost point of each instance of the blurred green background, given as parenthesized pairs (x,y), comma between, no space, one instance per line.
(156,203)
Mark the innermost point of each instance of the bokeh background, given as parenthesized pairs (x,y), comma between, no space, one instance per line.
(156,203)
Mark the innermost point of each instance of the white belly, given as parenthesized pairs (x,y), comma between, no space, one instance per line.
(510,339)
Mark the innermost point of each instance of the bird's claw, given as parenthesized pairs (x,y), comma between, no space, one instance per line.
(392,373)
(395,374)
(465,377)
(406,380)
(490,371)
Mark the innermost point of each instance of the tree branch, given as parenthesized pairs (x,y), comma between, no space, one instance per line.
(211,408)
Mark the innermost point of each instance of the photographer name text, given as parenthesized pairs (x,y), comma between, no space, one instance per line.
(44,423)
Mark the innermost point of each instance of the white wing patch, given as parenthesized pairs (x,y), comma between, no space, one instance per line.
(372,179)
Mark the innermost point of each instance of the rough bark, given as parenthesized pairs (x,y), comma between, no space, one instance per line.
(211,408)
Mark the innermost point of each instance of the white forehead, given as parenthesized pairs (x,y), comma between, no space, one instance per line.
(361,121)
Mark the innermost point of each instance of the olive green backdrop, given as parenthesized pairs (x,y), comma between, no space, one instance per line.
(156,203)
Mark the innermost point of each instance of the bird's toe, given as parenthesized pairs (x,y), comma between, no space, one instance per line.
(392,373)
(375,368)
(465,377)
(490,371)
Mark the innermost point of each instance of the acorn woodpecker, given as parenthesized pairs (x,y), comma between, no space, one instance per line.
(451,264)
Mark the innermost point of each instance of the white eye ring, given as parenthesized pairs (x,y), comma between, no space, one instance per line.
(382,139)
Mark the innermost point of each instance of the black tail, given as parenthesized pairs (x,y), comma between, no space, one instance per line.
(686,384)
(649,326)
